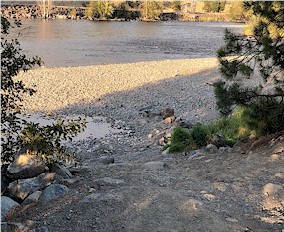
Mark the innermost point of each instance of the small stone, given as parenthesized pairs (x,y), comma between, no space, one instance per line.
(279,174)
(162,141)
(279,150)
(272,189)
(150,136)
(170,119)
(155,165)
(7,205)
(229,219)
(209,197)
(211,148)
(275,157)
(52,192)
(166,152)
(106,160)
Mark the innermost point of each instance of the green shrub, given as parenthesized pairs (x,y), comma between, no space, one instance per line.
(181,140)
(200,134)
(230,129)
(264,117)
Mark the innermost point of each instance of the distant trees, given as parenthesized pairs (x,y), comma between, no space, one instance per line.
(45,6)
(214,6)
(253,70)
(236,11)
(176,5)
(100,9)
(151,10)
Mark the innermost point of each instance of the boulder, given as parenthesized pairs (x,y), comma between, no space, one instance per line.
(60,170)
(25,166)
(20,189)
(52,192)
(4,183)
(13,227)
(7,204)
(33,198)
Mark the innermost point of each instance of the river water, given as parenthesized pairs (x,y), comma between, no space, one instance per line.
(82,42)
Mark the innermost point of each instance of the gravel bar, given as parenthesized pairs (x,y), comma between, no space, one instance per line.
(118,91)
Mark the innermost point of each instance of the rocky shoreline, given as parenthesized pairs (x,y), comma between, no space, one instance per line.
(124,181)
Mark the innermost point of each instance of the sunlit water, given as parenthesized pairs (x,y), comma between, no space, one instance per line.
(82,42)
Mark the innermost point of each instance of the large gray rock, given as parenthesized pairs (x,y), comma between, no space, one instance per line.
(20,189)
(61,171)
(33,198)
(4,183)
(7,204)
(13,227)
(52,192)
(25,166)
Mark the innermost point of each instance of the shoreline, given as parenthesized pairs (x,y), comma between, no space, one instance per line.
(119,91)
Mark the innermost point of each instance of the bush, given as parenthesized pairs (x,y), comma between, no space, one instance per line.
(200,134)
(223,132)
(181,140)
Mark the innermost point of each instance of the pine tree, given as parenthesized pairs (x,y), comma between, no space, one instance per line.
(253,69)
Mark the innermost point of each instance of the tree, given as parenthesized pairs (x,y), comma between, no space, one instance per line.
(100,9)
(176,6)
(253,70)
(15,131)
(151,10)
(214,6)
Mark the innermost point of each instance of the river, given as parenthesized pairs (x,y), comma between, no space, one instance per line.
(82,42)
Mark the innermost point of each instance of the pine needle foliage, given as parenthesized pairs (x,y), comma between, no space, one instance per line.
(253,69)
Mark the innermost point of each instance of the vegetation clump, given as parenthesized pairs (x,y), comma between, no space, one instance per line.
(223,132)
(253,83)
(253,70)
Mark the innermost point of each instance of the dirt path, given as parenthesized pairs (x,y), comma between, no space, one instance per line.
(210,192)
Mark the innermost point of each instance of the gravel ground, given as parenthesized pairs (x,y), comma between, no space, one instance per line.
(118,91)
(150,190)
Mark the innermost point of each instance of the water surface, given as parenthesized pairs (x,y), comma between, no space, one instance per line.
(82,42)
